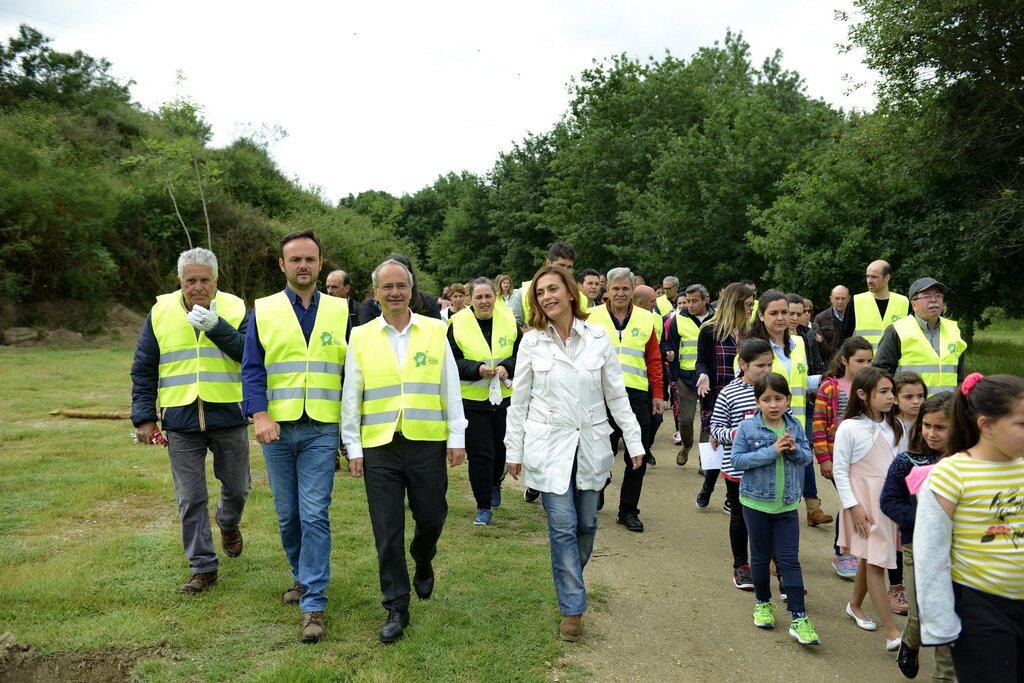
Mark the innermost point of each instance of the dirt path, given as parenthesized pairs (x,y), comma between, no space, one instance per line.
(666,609)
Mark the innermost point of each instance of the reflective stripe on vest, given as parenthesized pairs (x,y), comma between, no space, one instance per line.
(917,354)
(630,344)
(471,341)
(797,378)
(688,332)
(301,377)
(192,367)
(410,394)
(870,324)
(528,286)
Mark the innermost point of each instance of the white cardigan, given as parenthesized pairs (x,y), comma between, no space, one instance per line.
(854,438)
(558,411)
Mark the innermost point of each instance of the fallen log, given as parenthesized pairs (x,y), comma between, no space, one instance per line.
(92,414)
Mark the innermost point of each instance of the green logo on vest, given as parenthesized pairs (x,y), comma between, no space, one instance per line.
(801,368)
(895,317)
(503,342)
(952,347)
(327,339)
(420,358)
(636,331)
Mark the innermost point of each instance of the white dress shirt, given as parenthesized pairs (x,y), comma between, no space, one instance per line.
(352,391)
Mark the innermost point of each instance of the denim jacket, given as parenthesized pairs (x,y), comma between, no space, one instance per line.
(753,451)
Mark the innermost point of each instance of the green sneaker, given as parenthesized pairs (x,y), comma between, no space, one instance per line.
(804,632)
(764,615)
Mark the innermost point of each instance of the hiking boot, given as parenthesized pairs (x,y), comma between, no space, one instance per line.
(231,541)
(815,516)
(898,600)
(804,632)
(312,627)
(571,628)
(682,456)
(293,594)
(198,583)
(764,615)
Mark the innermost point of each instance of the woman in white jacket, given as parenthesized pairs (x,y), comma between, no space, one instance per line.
(557,429)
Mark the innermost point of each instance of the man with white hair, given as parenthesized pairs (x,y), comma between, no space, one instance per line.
(187,370)
(633,332)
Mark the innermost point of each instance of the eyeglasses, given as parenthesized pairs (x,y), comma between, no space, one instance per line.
(929,297)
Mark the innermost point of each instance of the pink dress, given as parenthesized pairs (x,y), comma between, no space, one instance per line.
(867,476)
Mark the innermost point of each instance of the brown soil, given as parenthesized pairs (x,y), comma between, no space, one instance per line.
(20,664)
(666,608)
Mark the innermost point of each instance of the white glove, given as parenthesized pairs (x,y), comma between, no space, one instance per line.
(203,319)
(494,393)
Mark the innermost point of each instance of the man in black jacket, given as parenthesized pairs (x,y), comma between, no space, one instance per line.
(188,361)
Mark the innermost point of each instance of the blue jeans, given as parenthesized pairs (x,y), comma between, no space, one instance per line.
(572,525)
(300,467)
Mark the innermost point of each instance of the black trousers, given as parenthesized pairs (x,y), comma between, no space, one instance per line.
(633,480)
(485,450)
(418,468)
(737,525)
(991,642)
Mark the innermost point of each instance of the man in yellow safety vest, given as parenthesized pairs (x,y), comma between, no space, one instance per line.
(403,419)
(876,309)
(186,370)
(636,342)
(925,342)
(291,379)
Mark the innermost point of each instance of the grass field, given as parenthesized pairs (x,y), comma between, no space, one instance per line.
(90,556)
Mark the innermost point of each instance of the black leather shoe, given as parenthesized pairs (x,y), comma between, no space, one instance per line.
(394,627)
(650,460)
(423,582)
(631,521)
(906,660)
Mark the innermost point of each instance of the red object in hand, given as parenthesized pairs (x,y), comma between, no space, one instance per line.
(158,438)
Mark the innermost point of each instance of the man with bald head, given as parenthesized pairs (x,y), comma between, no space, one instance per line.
(876,309)
(830,321)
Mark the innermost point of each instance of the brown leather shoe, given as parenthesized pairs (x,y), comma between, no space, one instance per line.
(312,627)
(816,517)
(198,583)
(571,627)
(293,594)
(232,541)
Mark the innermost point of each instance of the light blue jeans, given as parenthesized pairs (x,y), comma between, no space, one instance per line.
(572,525)
(300,467)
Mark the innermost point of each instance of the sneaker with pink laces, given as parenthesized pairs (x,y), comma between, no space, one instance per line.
(898,599)
(845,565)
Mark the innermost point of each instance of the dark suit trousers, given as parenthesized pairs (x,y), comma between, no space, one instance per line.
(418,468)
(633,480)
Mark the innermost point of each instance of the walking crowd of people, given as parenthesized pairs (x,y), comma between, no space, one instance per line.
(544,382)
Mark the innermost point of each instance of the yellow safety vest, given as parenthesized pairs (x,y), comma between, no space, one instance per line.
(471,341)
(870,324)
(663,306)
(411,394)
(630,344)
(797,377)
(688,332)
(528,285)
(917,355)
(303,377)
(193,367)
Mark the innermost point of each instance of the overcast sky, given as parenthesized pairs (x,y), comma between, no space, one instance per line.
(390,95)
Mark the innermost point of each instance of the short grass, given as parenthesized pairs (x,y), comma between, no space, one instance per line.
(999,348)
(90,557)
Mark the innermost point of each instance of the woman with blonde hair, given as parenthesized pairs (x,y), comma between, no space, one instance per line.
(503,287)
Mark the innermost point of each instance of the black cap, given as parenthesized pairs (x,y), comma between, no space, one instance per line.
(924,283)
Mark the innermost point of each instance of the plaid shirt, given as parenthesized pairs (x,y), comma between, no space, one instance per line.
(718,365)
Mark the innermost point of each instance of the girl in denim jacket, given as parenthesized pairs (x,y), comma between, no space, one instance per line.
(772,451)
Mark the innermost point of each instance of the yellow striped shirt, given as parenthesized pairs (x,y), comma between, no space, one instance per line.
(988,522)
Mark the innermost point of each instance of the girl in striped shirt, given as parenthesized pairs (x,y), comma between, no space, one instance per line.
(736,403)
(970,528)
